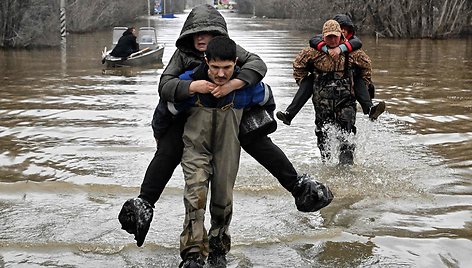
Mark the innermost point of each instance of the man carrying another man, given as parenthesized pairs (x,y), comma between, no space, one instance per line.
(202,25)
(211,154)
(333,93)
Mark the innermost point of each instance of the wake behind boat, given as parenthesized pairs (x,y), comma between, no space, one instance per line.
(150,52)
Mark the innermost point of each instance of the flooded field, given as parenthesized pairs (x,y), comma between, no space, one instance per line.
(76,140)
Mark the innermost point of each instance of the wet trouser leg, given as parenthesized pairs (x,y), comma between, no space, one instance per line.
(362,94)
(322,136)
(274,160)
(225,166)
(302,95)
(164,162)
(346,120)
(322,141)
(211,153)
(341,112)
(324,115)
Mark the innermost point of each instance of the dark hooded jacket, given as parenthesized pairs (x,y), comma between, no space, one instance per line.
(126,45)
(204,18)
(345,20)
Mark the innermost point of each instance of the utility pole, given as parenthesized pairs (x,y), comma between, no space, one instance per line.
(63,37)
(149,13)
(63,21)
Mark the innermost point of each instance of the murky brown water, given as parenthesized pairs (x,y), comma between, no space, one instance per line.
(75,143)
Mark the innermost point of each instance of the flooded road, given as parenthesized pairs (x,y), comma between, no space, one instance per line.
(76,141)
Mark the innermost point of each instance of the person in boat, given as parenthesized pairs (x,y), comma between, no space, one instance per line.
(363,94)
(333,93)
(203,23)
(126,45)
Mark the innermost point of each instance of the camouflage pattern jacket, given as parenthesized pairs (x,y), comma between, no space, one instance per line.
(310,61)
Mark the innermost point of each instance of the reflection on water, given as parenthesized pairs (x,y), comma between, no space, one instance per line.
(75,142)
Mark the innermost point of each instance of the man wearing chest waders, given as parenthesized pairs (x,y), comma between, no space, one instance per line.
(203,23)
(333,94)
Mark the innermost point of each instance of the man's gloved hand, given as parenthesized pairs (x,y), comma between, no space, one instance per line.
(310,195)
(135,218)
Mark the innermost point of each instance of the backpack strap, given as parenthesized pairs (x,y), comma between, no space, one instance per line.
(348,73)
(346,64)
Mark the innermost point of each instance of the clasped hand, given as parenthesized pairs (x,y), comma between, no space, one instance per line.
(334,52)
(205,87)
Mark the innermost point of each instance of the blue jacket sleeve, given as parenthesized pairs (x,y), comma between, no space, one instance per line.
(186,75)
(259,94)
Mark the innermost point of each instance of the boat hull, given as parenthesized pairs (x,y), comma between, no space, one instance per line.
(149,57)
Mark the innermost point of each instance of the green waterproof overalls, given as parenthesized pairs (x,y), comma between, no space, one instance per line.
(335,105)
(210,160)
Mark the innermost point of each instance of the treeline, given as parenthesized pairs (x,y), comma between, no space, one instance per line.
(394,19)
(25,23)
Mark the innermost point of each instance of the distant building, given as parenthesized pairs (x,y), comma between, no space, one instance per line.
(193,3)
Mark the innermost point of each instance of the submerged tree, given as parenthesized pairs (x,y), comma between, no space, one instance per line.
(398,19)
(418,18)
(26,21)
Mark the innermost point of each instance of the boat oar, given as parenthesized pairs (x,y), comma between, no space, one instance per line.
(138,52)
(104,54)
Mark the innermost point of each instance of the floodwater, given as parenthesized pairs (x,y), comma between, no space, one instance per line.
(76,141)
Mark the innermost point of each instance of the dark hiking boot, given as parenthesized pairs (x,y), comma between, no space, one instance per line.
(192,261)
(311,195)
(135,218)
(346,154)
(376,110)
(285,117)
(346,158)
(216,260)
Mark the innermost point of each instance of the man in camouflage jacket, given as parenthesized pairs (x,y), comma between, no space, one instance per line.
(333,96)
